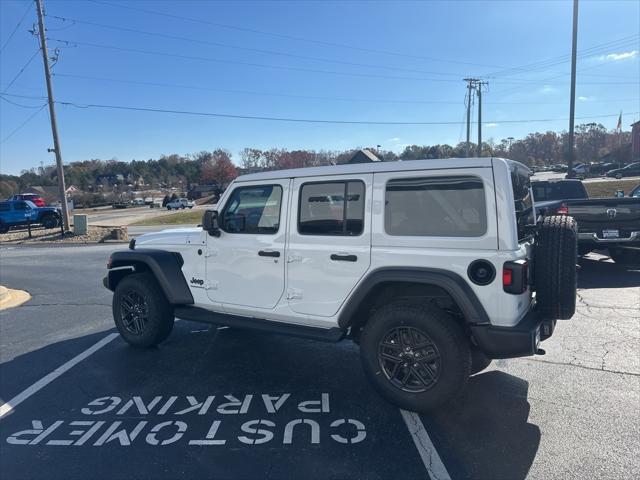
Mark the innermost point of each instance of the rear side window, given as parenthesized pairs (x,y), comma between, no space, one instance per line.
(436,206)
(331,208)
(253,209)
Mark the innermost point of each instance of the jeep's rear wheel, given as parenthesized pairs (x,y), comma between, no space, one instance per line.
(415,355)
(4,228)
(555,274)
(141,312)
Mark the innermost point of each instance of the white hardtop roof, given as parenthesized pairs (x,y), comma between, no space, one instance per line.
(373,167)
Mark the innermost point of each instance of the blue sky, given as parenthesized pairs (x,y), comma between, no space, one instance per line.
(373,61)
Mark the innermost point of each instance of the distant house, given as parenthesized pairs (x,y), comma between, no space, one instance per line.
(364,156)
(49,193)
(635,142)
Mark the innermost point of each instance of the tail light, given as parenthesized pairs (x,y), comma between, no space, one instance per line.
(515,277)
(562,210)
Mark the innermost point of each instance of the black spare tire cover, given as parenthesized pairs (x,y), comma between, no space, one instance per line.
(555,275)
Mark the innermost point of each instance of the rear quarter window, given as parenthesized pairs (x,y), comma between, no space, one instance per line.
(451,206)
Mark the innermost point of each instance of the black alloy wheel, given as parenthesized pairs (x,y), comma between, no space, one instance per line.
(409,359)
(134,311)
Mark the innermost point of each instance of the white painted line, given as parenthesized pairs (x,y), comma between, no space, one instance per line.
(8,407)
(432,462)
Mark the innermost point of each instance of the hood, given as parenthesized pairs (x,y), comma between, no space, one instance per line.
(173,236)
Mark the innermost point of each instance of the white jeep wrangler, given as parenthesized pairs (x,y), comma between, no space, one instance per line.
(434,267)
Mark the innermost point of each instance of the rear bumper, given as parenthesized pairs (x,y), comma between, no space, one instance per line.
(633,238)
(521,340)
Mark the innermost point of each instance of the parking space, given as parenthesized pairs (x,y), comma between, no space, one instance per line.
(228,403)
(204,404)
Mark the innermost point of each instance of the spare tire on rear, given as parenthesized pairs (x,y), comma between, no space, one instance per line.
(555,276)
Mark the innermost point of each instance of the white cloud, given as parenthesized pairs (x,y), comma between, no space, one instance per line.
(547,89)
(619,56)
(394,139)
(491,125)
(584,99)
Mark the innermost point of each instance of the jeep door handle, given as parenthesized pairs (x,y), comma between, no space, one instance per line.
(343,258)
(269,253)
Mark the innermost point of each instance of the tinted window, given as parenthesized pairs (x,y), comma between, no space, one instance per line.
(20,205)
(331,208)
(5,206)
(543,191)
(436,206)
(253,210)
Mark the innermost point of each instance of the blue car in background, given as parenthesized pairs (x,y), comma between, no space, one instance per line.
(16,213)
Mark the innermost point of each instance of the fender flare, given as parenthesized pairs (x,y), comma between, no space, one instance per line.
(165,266)
(450,282)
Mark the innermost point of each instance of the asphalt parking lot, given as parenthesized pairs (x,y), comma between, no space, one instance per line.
(226,403)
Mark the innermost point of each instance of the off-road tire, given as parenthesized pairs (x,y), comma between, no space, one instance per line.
(444,333)
(168,207)
(555,273)
(49,221)
(625,256)
(479,361)
(4,228)
(159,313)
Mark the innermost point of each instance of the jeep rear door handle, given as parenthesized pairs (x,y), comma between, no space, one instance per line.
(269,253)
(343,257)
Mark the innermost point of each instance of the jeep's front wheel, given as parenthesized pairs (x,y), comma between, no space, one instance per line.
(416,355)
(141,312)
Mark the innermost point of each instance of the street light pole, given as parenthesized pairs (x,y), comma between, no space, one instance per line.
(572,100)
(52,115)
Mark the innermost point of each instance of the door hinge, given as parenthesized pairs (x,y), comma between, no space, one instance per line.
(210,253)
(294,293)
(211,286)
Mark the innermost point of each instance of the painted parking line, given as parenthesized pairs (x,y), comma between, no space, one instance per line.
(8,407)
(428,453)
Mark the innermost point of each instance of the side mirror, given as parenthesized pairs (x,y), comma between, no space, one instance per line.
(210,223)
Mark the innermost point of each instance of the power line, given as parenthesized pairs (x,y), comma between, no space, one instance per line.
(264,65)
(249,49)
(301,96)
(247,64)
(31,117)
(629,40)
(13,32)
(307,120)
(289,37)
(2,97)
(22,69)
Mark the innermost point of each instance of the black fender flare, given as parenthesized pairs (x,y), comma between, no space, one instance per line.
(165,266)
(473,311)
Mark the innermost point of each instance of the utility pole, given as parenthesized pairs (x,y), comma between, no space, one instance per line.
(572,100)
(470,85)
(479,86)
(52,115)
